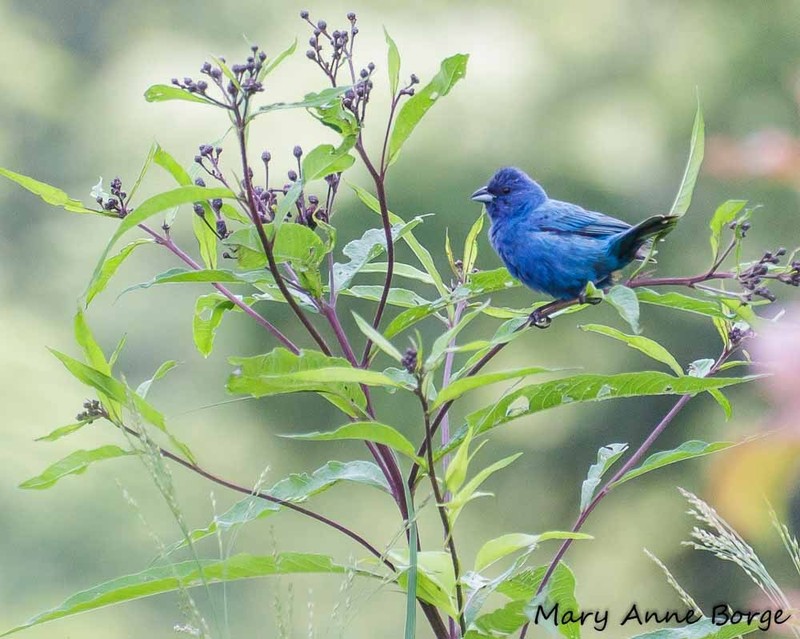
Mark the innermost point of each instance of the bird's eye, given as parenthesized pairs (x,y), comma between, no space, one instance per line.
(506,190)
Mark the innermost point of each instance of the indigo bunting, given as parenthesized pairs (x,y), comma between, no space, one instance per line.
(557,247)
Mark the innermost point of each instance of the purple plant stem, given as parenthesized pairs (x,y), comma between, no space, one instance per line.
(168,243)
(627,466)
(632,461)
(275,500)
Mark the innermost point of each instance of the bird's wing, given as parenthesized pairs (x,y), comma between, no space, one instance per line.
(563,217)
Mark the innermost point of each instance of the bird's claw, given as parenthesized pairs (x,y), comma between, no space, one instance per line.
(583,298)
(539,319)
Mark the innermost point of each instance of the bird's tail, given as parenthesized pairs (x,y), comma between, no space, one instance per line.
(629,244)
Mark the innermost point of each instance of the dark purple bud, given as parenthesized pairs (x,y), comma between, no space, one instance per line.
(206,68)
(311,55)
(187,81)
(297,151)
(292,175)
(198,159)
(198,209)
(371,67)
(200,182)
(231,88)
(317,32)
(780,252)
(414,79)
(409,361)
(351,17)
(349,94)
(322,25)
(222,229)
(262,56)
(218,150)
(216,73)
(364,73)
(304,14)
(313,199)
(266,156)
(176,82)
(202,86)
(254,48)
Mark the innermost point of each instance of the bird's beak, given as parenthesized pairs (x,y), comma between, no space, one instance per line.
(482,195)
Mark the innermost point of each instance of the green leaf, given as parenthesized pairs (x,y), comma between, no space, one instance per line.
(162,370)
(451,71)
(696,150)
(379,340)
(591,388)
(73,464)
(687,450)
(723,401)
(63,431)
(723,216)
(400,270)
(499,547)
(325,98)
(436,583)
(704,629)
(606,457)
(165,92)
(471,243)
(365,431)
(402,297)
(49,194)
(265,375)
(681,302)
(118,392)
(345,374)
(326,159)
(295,243)
(456,472)
(154,205)
(421,253)
(392,63)
(624,300)
(442,343)
(143,171)
(109,268)
(208,312)
(287,204)
(365,249)
(296,488)
(180,275)
(642,344)
(466,494)
(183,575)
(463,385)
(273,64)
(560,591)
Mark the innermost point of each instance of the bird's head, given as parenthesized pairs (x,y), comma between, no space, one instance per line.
(510,192)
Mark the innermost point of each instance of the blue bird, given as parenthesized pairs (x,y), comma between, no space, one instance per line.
(557,247)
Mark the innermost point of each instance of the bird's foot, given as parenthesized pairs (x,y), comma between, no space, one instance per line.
(583,298)
(539,318)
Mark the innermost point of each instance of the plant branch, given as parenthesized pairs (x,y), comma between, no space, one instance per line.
(629,464)
(380,190)
(168,243)
(548,311)
(275,500)
(441,507)
(241,130)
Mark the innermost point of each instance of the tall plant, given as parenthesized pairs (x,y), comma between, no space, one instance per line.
(281,245)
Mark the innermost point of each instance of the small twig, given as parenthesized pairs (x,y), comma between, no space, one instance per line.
(634,459)
(168,243)
(275,500)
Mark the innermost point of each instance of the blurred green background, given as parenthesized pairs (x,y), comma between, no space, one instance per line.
(594,99)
